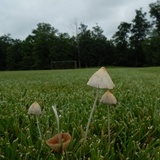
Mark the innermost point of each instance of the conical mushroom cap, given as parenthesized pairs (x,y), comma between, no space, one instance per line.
(108,98)
(35,109)
(101,79)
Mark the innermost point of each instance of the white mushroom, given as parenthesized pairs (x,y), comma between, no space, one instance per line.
(108,98)
(101,79)
(35,109)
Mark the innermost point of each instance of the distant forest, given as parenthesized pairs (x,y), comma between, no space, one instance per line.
(135,44)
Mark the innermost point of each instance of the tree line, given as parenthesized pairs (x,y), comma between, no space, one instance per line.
(134,44)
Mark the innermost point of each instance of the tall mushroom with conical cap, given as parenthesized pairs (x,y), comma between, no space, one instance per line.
(35,109)
(100,80)
(109,99)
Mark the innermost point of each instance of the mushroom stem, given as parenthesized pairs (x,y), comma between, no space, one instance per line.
(40,134)
(90,117)
(57,120)
(108,129)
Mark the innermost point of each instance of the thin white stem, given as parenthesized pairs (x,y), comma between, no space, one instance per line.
(57,120)
(108,128)
(38,127)
(90,117)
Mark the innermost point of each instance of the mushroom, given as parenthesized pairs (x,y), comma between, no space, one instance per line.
(59,146)
(100,80)
(60,141)
(109,99)
(36,110)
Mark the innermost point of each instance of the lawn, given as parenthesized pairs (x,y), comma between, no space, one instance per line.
(134,123)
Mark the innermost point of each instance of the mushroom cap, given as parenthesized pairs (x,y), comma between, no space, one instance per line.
(59,146)
(35,109)
(108,98)
(101,79)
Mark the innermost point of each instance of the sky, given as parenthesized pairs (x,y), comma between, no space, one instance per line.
(20,17)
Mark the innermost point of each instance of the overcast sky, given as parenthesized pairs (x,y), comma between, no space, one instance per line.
(20,17)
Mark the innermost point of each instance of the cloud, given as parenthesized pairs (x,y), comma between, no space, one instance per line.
(20,17)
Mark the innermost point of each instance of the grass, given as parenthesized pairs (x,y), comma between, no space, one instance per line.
(134,122)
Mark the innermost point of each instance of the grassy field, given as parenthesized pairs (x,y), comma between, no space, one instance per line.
(135,121)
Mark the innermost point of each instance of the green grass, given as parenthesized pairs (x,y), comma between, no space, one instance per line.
(135,121)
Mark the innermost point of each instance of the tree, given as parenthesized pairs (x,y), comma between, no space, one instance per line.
(152,44)
(76,32)
(64,47)
(121,41)
(44,45)
(155,14)
(85,46)
(13,60)
(27,54)
(5,42)
(139,30)
(99,46)
(152,51)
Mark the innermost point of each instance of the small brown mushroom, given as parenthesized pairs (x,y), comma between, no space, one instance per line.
(59,142)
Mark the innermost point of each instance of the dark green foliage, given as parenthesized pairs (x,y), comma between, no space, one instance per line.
(155,14)
(14,56)
(151,48)
(139,29)
(134,44)
(121,41)
(5,43)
